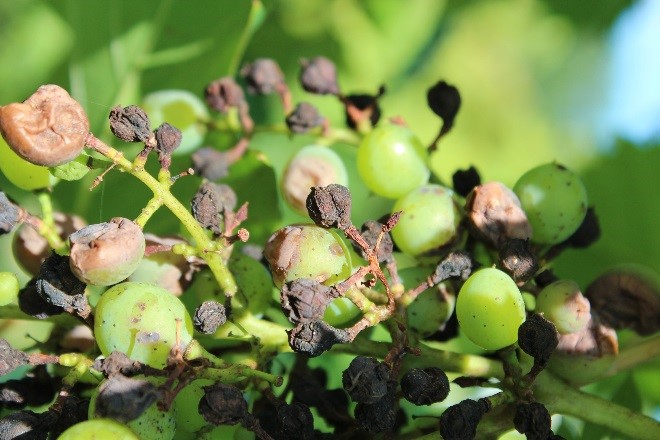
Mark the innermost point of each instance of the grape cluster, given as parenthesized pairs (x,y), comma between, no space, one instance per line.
(194,332)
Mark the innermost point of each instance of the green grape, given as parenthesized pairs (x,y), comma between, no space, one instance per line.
(98,429)
(555,201)
(392,161)
(563,304)
(20,172)
(140,320)
(254,284)
(188,418)
(181,109)
(307,251)
(429,221)
(490,309)
(8,288)
(341,312)
(313,165)
(152,424)
(432,308)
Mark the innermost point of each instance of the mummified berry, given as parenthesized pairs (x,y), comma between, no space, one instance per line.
(296,421)
(125,399)
(223,404)
(31,303)
(130,124)
(59,287)
(460,421)
(118,363)
(445,101)
(456,264)
(49,128)
(362,107)
(379,416)
(465,181)
(106,253)
(303,118)
(319,76)
(366,379)
(211,163)
(263,76)
(533,420)
(494,214)
(304,299)
(24,425)
(330,206)
(370,231)
(209,316)
(10,214)
(425,386)
(168,139)
(316,337)
(538,338)
(10,358)
(210,203)
(517,259)
(224,94)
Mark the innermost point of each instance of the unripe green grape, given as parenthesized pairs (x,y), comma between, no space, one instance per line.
(183,110)
(22,173)
(555,201)
(341,312)
(98,429)
(490,309)
(152,424)
(392,161)
(254,284)
(307,251)
(140,321)
(313,165)
(563,304)
(429,221)
(8,288)
(188,418)
(432,308)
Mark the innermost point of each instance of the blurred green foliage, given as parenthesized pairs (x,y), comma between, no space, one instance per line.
(526,70)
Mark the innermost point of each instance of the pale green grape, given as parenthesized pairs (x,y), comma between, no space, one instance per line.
(313,165)
(341,312)
(490,309)
(307,251)
(140,320)
(98,429)
(555,201)
(429,221)
(392,161)
(152,424)
(181,109)
(22,173)
(431,309)
(188,418)
(563,304)
(8,288)
(254,284)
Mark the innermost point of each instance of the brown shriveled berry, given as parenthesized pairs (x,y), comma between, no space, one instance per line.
(303,118)
(168,139)
(370,231)
(10,215)
(517,259)
(10,358)
(130,124)
(223,404)
(106,253)
(366,380)
(494,214)
(456,264)
(460,421)
(209,316)
(425,386)
(211,163)
(49,128)
(31,249)
(304,300)
(125,399)
(319,76)
(316,337)
(263,76)
(59,287)
(210,203)
(626,299)
(362,107)
(117,363)
(538,338)
(224,94)
(330,206)
(533,420)
(296,421)
(380,416)
(465,181)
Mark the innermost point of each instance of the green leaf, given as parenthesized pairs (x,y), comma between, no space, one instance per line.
(74,170)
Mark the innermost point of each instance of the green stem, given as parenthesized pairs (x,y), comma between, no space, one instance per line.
(634,355)
(207,248)
(47,227)
(254,20)
(559,397)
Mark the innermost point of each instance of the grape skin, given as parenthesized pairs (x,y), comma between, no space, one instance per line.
(429,221)
(98,429)
(555,201)
(8,288)
(392,161)
(140,320)
(490,309)
(20,172)
(562,303)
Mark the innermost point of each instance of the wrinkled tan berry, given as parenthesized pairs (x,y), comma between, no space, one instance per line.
(106,253)
(48,128)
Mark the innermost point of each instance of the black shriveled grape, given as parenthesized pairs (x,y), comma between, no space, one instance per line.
(533,420)
(366,379)
(460,421)
(223,404)
(425,386)
(296,421)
